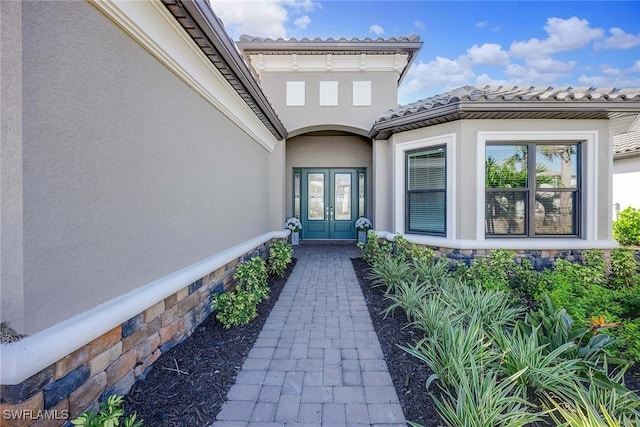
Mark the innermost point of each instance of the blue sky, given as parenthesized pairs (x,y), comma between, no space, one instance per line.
(524,43)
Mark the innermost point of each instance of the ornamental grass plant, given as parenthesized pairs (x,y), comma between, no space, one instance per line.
(497,362)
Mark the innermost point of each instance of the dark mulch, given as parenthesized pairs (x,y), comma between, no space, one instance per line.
(212,357)
(408,373)
(189,383)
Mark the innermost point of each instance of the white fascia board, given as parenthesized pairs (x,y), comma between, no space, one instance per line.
(24,358)
(511,244)
(151,25)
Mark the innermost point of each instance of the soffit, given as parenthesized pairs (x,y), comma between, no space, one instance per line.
(202,25)
(499,102)
(401,50)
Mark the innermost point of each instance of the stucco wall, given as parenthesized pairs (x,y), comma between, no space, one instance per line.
(626,180)
(312,116)
(128,174)
(328,151)
(11,267)
(465,192)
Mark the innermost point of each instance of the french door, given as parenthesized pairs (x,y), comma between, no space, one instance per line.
(330,202)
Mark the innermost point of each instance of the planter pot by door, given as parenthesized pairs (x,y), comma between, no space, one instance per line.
(295,238)
(362,236)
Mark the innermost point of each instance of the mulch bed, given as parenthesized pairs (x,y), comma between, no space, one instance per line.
(188,384)
(409,375)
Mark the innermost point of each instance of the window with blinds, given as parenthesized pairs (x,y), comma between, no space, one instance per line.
(426,191)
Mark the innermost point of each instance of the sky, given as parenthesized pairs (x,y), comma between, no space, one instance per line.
(509,43)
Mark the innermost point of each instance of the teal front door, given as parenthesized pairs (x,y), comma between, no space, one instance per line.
(329,203)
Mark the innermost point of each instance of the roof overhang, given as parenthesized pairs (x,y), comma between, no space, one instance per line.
(407,47)
(202,25)
(421,114)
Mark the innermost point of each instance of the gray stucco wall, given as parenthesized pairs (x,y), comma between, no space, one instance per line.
(466,164)
(328,151)
(312,116)
(128,174)
(11,266)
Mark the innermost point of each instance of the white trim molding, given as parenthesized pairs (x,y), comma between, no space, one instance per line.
(24,358)
(323,62)
(400,173)
(511,244)
(588,209)
(151,25)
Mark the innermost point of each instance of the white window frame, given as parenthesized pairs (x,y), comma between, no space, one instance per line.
(588,208)
(400,173)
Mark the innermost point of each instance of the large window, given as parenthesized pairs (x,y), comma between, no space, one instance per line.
(532,189)
(426,191)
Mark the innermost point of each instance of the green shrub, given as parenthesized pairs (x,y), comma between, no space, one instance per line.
(628,335)
(626,229)
(237,307)
(493,272)
(252,276)
(280,256)
(373,248)
(109,415)
(412,252)
(624,268)
(579,289)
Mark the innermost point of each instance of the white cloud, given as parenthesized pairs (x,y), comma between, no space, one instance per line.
(636,67)
(486,80)
(376,29)
(619,40)
(302,22)
(488,54)
(419,24)
(563,35)
(611,79)
(259,18)
(440,73)
(481,24)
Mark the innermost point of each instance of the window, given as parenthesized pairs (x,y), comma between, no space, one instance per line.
(426,191)
(532,189)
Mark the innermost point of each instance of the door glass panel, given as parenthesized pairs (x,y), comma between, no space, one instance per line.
(316,196)
(361,194)
(342,192)
(296,192)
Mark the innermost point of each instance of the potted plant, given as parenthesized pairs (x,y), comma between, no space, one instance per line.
(363,225)
(295,226)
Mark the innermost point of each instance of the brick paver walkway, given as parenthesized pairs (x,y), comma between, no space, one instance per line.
(317,360)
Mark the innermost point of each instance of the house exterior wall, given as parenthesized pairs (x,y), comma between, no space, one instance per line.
(327,151)
(344,116)
(468,231)
(128,198)
(127,172)
(11,211)
(626,179)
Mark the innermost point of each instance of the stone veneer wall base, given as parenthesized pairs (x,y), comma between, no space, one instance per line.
(112,363)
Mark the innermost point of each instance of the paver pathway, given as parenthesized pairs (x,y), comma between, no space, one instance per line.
(317,360)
